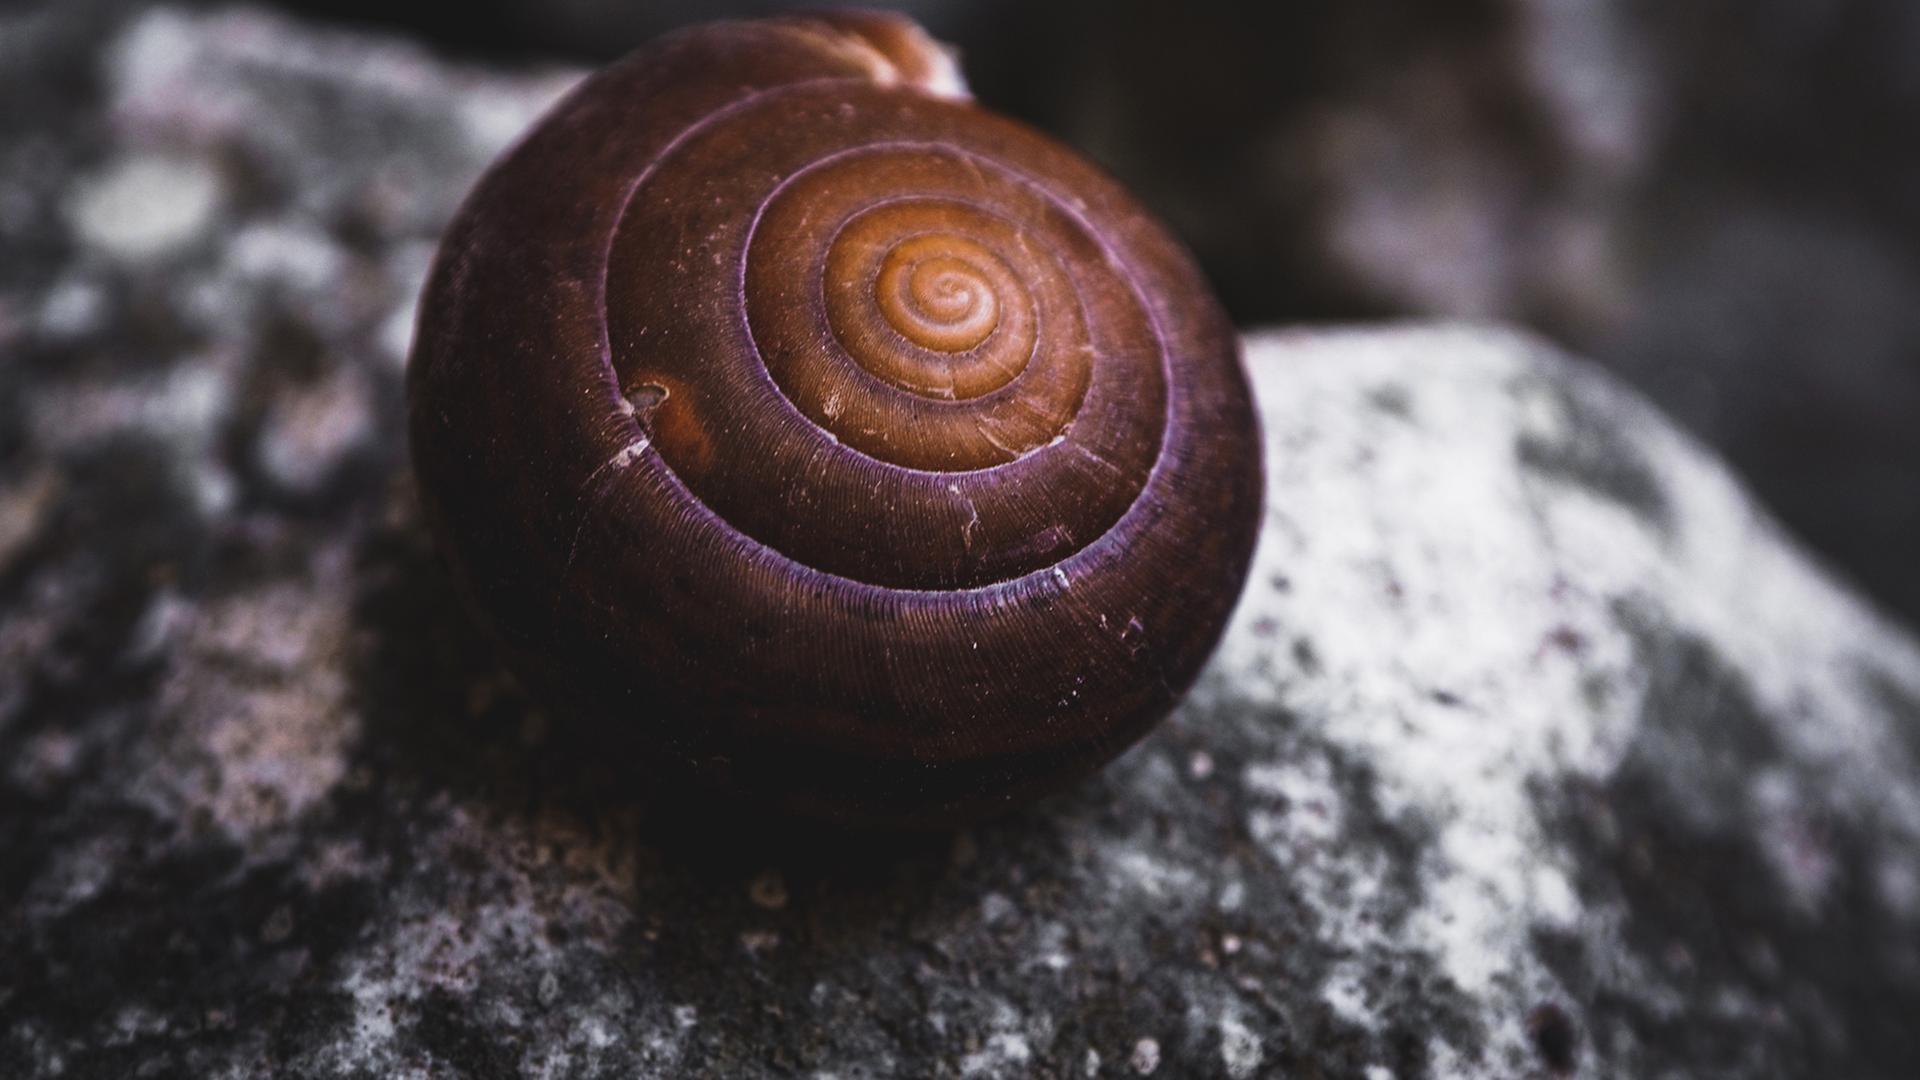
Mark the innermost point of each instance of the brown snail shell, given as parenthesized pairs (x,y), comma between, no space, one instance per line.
(864,452)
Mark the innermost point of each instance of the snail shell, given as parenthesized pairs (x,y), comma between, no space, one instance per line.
(860,450)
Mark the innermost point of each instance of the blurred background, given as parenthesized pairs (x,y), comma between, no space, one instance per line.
(1719,200)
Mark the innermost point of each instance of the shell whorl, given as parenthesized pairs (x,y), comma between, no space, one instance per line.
(770,381)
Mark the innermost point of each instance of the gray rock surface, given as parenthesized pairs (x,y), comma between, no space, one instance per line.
(1534,749)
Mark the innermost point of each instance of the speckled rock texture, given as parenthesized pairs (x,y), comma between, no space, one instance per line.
(1534,749)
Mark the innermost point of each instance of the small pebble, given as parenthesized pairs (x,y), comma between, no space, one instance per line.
(144,207)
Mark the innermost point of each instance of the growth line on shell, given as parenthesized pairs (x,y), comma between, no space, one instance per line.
(588,501)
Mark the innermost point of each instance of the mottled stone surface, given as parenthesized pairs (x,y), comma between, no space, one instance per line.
(1534,748)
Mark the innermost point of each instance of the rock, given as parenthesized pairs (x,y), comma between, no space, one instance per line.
(1534,749)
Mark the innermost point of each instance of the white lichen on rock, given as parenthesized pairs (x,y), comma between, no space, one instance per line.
(1466,630)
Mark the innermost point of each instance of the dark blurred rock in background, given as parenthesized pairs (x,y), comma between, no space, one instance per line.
(1716,199)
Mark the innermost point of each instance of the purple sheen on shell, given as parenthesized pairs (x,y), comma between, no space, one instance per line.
(818,434)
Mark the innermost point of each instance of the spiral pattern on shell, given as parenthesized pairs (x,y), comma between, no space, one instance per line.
(867,452)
